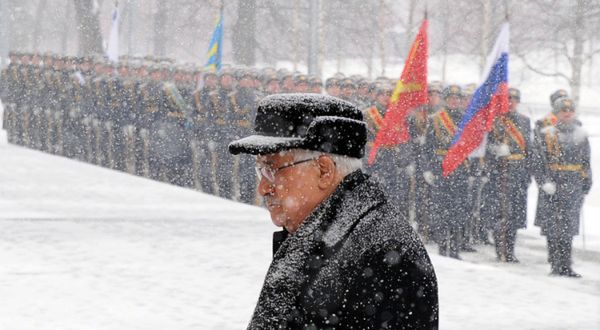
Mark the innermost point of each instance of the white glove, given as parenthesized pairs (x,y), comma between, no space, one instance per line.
(502,150)
(410,170)
(429,177)
(549,187)
(485,179)
(471,179)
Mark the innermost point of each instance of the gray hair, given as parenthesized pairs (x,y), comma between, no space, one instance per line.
(344,164)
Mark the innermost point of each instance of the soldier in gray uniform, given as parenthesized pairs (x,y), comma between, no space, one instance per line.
(204,100)
(418,125)
(508,165)
(563,174)
(243,103)
(10,96)
(220,120)
(449,195)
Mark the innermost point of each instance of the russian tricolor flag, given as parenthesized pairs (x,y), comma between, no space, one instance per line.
(489,100)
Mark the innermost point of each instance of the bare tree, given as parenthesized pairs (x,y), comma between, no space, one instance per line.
(39,11)
(88,27)
(561,32)
(244,33)
(160,28)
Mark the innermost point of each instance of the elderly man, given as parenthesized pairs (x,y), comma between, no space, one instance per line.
(346,259)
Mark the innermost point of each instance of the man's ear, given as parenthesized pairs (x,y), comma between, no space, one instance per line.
(327,170)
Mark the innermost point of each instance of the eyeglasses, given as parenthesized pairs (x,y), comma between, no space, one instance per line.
(567,110)
(269,173)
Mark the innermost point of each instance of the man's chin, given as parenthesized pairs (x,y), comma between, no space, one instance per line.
(278,220)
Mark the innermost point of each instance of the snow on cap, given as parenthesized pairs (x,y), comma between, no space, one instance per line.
(305,121)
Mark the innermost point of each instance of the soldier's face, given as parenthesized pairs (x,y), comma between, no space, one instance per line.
(363,91)
(316,89)
(210,81)
(294,193)
(465,101)
(434,98)
(302,87)
(348,92)
(383,98)
(246,82)
(226,81)
(273,87)
(453,101)
(333,90)
(513,103)
(566,115)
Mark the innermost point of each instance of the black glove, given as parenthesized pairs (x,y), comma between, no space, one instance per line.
(587,185)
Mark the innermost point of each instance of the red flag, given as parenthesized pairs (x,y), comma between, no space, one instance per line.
(410,92)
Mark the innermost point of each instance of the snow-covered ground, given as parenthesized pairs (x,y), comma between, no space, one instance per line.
(83,247)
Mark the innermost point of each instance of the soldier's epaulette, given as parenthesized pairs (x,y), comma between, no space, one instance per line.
(176,114)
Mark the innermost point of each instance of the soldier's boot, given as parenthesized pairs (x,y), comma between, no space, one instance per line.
(89,138)
(59,139)
(214,168)
(144,136)
(110,145)
(454,243)
(129,150)
(35,136)
(196,165)
(510,247)
(8,124)
(236,181)
(49,145)
(27,140)
(97,142)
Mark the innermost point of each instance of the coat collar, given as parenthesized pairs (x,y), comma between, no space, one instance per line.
(328,225)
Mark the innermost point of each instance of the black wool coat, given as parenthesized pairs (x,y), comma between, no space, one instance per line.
(354,263)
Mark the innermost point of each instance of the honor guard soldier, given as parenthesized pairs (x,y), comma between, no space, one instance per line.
(301,83)
(204,99)
(347,90)
(315,85)
(449,195)
(243,102)
(332,87)
(10,96)
(222,130)
(508,165)
(287,83)
(391,162)
(418,124)
(563,174)
(362,93)
(171,141)
(131,115)
(74,132)
(271,84)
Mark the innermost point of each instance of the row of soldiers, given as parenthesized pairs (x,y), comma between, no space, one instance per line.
(173,124)
(488,192)
(151,118)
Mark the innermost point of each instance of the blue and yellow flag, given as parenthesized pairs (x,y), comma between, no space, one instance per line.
(214,48)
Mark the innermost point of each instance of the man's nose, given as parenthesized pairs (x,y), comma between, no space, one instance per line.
(265,187)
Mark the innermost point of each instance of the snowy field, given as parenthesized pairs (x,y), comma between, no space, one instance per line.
(83,247)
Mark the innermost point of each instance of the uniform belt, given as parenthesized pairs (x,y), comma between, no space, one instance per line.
(515,157)
(441,152)
(569,168)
